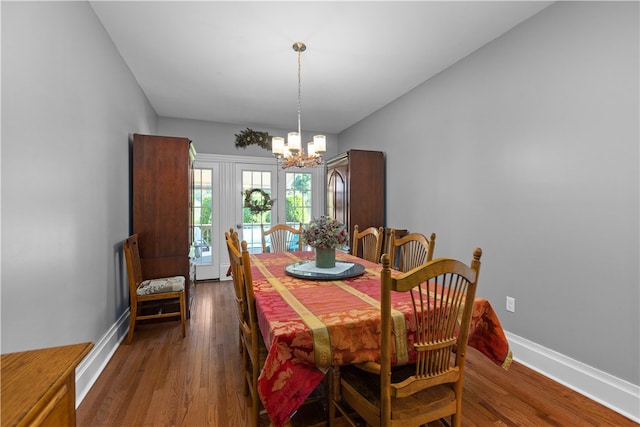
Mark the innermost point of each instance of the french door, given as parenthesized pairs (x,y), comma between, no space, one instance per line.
(206,209)
(297,195)
(220,183)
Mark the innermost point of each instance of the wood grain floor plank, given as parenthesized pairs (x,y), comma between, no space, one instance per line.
(162,379)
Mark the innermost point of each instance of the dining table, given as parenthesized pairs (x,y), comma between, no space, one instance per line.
(311,322)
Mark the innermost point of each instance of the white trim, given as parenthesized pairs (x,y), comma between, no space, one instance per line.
(224,158)
(612,392)
(88,371)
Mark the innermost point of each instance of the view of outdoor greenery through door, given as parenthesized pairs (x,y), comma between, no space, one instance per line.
(293,210)
(202,215)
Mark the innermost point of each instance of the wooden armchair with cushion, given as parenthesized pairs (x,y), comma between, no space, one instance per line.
(282,238)
(443,292)
(410,251)
(367,244)
(150,290)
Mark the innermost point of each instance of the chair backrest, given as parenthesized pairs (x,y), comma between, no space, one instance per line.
(134,267)
(443,292)
(367,244)
(243,282)
(281,238)
(240,261)
(250,301)
(233,236)
(411,251)
(237,273)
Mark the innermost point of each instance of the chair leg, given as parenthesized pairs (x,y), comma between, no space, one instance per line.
(330,392)
(245,372)
(334,393)
(132,322)
(255,412)
(183,315)
(255,399)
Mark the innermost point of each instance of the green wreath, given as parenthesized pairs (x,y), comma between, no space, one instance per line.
(249,136)
(257,200)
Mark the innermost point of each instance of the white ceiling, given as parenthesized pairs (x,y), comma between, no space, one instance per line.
(233,62)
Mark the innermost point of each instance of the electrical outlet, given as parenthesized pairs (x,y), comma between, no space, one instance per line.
(511,304)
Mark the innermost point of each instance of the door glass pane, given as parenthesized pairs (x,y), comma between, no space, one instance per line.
(202,215)
(255,180)
(298,198)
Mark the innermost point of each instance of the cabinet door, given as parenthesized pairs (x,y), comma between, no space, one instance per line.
(337,192)
(161,199)
(355,189)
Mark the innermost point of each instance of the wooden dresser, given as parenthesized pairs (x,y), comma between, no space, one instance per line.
(39,386)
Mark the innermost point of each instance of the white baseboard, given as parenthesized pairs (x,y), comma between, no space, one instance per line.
(94,363)
(612,392)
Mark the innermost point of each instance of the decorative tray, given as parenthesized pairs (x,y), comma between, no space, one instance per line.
(308,270)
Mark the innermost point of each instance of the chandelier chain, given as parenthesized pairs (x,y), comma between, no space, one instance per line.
(292,153)
(299,92)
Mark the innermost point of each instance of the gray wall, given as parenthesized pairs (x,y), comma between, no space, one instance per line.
(528,148)
(219,138)
(69,106)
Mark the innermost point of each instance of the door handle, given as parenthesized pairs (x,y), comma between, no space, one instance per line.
(239,226)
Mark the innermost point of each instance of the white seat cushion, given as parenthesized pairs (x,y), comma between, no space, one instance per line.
(158,286)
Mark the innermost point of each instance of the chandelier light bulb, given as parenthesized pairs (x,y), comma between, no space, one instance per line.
(320,143)
(293,141)
(277,145)
(311,149)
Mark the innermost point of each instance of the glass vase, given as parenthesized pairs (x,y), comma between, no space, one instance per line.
(325,257)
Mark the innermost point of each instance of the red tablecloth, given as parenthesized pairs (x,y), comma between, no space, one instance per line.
(310,325)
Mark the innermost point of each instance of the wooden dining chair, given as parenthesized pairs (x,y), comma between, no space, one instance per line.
(231,239)
(254,351)
(281,238)
(367,244)
(152,290)
(410,251)
(443,291)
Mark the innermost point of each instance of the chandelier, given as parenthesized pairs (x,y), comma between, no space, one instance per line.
(292,154)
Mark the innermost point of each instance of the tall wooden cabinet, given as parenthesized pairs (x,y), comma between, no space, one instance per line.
(162,207)
(356,189)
